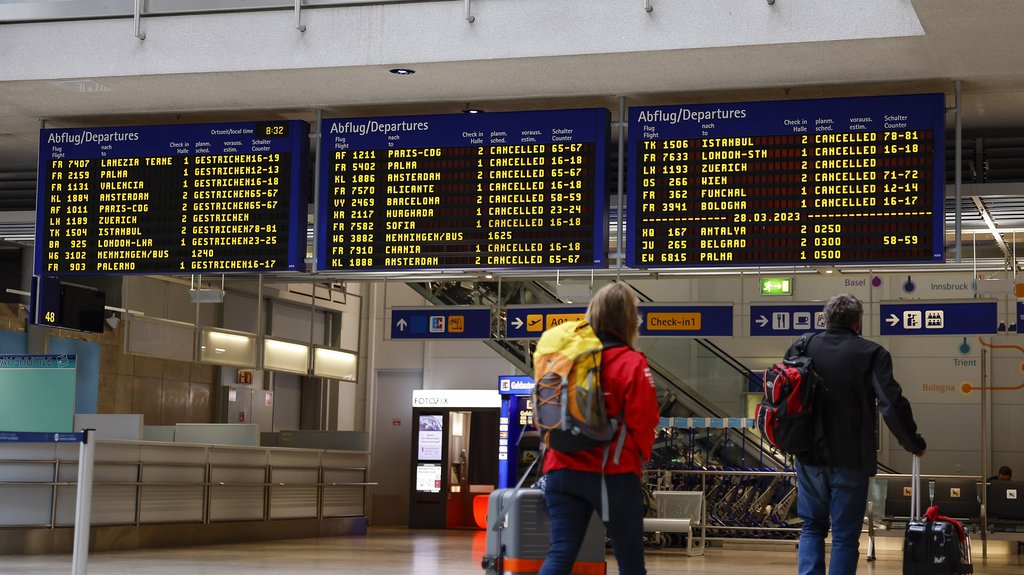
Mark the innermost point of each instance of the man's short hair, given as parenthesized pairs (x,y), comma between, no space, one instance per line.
(1005,470)
(843,310)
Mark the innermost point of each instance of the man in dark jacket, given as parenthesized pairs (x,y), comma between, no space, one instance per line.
(856,376)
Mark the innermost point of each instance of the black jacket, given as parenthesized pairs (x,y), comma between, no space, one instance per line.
(855,373)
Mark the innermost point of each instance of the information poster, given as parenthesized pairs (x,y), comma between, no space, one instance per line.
(852,180)
(430,439)
(192,198)
(465,191)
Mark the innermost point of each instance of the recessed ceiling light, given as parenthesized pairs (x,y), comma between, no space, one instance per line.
(402,71)
(472,111)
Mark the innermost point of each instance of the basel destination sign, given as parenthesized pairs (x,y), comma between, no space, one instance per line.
(509,190)
(851,180)
(213,198)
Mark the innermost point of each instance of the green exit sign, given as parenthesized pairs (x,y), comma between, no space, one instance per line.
(776,286)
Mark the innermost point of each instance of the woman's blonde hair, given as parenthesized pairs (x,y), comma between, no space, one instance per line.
(612,311)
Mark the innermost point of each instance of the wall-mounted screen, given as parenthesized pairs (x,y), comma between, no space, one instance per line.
(181,199)
(82,308)
(430,438)
(428,478)
(508,190)
(811,182)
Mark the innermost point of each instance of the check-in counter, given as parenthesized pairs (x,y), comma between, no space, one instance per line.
(151,494)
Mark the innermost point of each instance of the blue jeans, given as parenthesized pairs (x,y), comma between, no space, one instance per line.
(572,498)
(841,493)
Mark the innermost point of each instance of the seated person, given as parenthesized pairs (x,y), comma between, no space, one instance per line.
(1004,474)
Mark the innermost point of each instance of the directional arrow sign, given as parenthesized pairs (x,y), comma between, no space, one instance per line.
(788,320)
(945,317)
(528,322)
(438,322)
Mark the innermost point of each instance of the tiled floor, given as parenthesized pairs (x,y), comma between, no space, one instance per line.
(400,551)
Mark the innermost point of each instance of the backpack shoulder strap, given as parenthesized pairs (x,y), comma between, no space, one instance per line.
(801,345)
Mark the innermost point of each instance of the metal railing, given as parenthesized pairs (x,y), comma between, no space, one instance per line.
(761,504)
(50,11)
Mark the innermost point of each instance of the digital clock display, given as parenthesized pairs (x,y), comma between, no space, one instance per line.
(466,191)
(198,198)
(852,180)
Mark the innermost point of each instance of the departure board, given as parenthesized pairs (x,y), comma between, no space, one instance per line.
(181,199)
(510,190)
(851,180)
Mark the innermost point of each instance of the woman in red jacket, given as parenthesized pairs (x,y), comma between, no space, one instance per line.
(573,484)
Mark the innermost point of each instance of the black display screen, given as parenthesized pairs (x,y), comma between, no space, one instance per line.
(854,180)
(484,191)
(198,198)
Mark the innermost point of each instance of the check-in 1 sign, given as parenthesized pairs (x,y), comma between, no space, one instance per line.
(686,320)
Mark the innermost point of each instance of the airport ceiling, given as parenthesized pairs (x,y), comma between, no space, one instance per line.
(977,43)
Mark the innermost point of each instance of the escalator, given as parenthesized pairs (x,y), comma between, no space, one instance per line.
(709,370)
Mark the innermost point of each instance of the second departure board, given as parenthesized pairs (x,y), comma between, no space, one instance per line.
(812,182)
(178,199)
(510,190)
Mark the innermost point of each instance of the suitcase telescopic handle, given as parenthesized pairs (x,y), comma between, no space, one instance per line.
(915,481)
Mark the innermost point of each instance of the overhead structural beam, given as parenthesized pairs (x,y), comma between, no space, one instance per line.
(985,215)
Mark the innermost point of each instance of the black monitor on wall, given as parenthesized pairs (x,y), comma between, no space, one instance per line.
(82,308)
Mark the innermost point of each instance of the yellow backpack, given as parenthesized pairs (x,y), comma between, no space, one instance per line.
(568,402)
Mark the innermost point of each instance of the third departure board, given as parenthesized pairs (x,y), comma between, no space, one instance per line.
(510,190)
(850,180)
(183,199)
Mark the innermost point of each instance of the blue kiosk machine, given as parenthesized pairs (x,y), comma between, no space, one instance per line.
(518,440)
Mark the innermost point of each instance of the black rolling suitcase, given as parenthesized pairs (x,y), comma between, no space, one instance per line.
(933,547)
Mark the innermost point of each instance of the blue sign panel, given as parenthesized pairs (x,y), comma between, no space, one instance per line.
(1020,317)
(686,320)
(441,323)
(40,437)
(788,320)
(938,318)
(788,182)
(178,199)
(528,322)
(515,384)
(44,302)
(509,190)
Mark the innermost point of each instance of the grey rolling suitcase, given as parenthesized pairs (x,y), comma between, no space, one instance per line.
(518,536)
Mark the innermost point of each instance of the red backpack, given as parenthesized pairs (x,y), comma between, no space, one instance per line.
(786,415)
